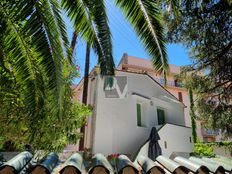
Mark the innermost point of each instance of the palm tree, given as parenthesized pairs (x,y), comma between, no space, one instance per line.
(34,46)
(85,90)
(90,21)
(34,54)
(33,37)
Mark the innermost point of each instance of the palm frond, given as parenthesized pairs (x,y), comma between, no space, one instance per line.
(145,17)
(53,29)
(32,44)
(52,33)
(101,25)
(90,21)
(60,24)
(78,13)
(16,46)
(38,39)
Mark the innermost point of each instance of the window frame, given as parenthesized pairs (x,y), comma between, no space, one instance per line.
(164,116)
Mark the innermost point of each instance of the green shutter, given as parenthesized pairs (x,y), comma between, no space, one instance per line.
(161,116)
(139,114)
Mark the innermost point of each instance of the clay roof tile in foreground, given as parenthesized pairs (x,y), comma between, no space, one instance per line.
(25,163)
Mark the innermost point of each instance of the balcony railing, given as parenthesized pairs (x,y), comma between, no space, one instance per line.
(209,132)
(170,83)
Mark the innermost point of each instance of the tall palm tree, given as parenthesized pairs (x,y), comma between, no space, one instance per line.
(85,90)
(90,21)
(34,45)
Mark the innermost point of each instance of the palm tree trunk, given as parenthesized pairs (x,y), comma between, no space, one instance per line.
(73,43)
(85,91)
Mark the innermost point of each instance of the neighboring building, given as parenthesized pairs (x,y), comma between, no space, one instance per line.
(124,114)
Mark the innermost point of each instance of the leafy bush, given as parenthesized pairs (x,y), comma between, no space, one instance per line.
(203,149)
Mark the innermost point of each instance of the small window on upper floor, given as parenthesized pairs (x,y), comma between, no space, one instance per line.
(162,81)
(176,82)
(161,116)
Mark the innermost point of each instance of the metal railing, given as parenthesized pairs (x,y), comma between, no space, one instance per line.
(206,131)
(169,83)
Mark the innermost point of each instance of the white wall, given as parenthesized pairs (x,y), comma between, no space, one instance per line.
(116,119)
(177,139)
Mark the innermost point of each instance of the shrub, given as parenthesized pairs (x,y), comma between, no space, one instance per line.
(203,149)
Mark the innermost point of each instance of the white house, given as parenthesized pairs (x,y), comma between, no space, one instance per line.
(124,114)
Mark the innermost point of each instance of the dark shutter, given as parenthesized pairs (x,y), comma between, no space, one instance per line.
(139,114)
(161,116)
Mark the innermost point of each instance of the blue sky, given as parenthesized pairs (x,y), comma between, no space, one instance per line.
(124,41)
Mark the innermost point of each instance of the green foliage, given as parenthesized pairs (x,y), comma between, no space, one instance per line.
(145,17)
(36,105)
(201,149)
(90,22)
(206,149)
(36,68)
(46,131)
(205,28)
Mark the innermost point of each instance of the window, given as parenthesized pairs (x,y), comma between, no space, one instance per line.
(139,114)
(180,96)
(141,109)
(162,81)
(176,82)
(161,116)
